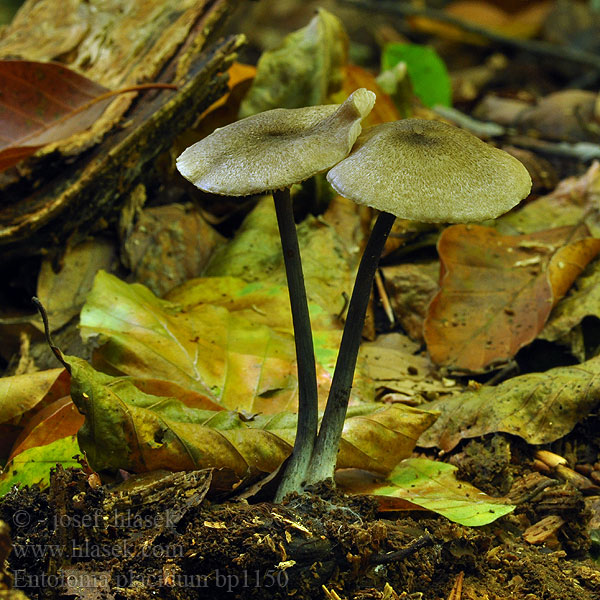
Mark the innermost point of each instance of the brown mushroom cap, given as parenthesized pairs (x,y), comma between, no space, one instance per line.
(430,171)
(275,149)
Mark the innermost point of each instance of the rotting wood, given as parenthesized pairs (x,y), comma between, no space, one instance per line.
(65,202)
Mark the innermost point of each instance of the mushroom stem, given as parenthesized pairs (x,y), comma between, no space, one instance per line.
(322,464)
(306,431)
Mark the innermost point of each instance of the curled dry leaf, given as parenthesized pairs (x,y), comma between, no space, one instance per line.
(539,407)
(583,301)
(497,291)
(168,245)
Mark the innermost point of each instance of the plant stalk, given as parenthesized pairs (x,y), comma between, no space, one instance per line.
(306,431)
(322,464)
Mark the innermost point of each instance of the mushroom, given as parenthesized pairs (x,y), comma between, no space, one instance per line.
(269,152)
(420,170)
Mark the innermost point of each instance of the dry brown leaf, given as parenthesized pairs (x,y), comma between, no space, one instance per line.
(497,291)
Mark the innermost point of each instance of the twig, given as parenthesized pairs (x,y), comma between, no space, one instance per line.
(478,128)
(385,301)
(535,47)
(581,150)
(414,546)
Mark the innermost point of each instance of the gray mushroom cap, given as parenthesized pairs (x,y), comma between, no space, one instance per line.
(276,148)
(430,171)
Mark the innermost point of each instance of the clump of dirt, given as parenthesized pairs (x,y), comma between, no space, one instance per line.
(486,464)
(159,536)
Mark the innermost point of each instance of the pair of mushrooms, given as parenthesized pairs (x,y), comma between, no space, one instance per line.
(415,169)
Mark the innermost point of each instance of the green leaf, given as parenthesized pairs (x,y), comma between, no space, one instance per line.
(33,466)
(433,486)
(426,70)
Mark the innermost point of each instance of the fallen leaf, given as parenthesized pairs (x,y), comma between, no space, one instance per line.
(497,291)
(410,288)
(168,245)
(63,294)
(225,339)
(395,365)
(32,467)
(239,73)
(304,71)
(433,485)
(539,407)
(54,422)
(524,23)
(384,110)
(128,429)
(562,115)
(583,301)
(43,103)
(255,255)
(573,201)
(21,393)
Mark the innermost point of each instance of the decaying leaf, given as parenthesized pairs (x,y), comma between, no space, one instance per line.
(63,294)
(539,407)
(582,301)
(433,485)
(33,465)
(126,428)
(521,24)
(563,115)
(56,421)
(394,365)
(21,393)
(168,245)
(574,200)
(411,288)
(497,291)
(21,396)
(304,71)
(384,110)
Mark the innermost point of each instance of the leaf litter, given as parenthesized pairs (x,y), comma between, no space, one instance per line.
(237,299)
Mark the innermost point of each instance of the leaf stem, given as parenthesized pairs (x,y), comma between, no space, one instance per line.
(322,464)
(306,431)
(55,349)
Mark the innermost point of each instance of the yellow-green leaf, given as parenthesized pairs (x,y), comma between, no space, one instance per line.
(433,485)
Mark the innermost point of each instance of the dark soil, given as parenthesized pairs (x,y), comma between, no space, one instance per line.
(159,536)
